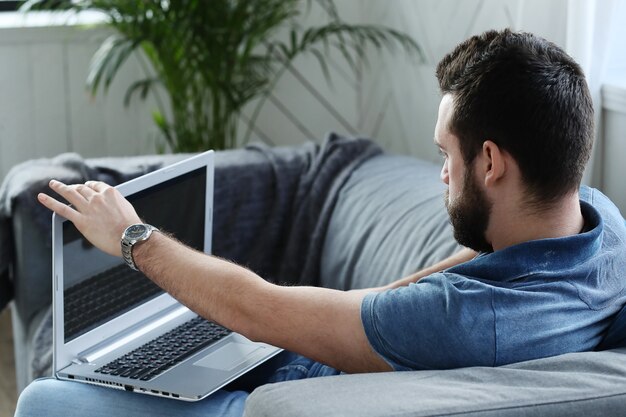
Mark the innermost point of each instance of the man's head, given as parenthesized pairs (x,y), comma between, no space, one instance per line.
(516,97)
(528,97)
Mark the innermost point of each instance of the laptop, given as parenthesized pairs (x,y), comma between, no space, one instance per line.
(113,327)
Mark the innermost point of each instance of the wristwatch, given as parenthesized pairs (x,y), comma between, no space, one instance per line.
(134,234)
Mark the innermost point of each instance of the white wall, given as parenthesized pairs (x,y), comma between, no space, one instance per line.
(299,112)
(45,109)
(613,124)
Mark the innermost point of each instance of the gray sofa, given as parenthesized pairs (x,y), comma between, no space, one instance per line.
(342,215)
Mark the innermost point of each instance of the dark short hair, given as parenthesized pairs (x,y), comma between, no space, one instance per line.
(530,98)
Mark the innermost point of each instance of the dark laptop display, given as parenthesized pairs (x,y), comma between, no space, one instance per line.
(99,287)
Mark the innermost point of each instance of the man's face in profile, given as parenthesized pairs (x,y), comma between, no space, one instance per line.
(467,204)
(469,214)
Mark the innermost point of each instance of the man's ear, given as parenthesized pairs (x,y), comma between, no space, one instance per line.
(494,163)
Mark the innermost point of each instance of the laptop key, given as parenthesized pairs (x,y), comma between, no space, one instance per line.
(135,373)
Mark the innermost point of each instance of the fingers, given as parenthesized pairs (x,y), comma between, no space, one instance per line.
(78,195)
(98,211)
(71,193)
(98,186)
(58,207)
(84,190)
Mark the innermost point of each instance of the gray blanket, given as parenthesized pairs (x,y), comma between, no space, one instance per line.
(272,207)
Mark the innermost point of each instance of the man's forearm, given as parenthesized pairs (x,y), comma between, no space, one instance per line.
(463,255)
(215,289)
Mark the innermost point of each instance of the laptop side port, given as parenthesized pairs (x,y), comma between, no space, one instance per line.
(129,388)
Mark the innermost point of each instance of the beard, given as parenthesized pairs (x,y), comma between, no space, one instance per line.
(469,214)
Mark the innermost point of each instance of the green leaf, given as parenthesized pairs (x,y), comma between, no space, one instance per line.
(164,127)
(322,61)
(107,61)
(141,86)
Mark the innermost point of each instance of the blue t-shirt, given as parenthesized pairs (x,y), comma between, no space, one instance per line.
(536,299)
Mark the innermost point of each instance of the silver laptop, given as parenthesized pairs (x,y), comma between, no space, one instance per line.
(115,328)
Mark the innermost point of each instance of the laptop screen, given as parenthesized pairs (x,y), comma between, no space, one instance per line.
(99,287)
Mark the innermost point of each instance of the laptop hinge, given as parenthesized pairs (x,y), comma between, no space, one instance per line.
(100,350)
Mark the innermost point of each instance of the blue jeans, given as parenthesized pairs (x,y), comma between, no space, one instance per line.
(51,397)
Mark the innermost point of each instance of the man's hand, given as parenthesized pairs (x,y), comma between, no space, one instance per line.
(98,211)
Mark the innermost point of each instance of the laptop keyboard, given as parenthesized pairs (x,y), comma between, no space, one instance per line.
(162,353)
(106,294)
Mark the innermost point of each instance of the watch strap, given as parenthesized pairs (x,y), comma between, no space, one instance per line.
(127,244)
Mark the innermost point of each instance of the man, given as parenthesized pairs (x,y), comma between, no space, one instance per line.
(515,128)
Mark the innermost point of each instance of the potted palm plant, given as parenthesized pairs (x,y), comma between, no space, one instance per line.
(214,57)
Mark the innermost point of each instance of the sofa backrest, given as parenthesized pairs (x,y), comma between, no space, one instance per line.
(390,221)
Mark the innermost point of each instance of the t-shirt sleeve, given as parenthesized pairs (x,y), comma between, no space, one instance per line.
(444,321)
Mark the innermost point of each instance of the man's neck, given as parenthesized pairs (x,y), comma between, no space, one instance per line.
(511,226)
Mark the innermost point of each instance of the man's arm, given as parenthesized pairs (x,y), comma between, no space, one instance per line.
(463,255)
(322,324)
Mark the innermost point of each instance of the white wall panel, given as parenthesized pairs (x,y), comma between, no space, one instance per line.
(102,125)
(45,108)
(16,125)
(48,119)
(295,115)
(87,130)
(614,129)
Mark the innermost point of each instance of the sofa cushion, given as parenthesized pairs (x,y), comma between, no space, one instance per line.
(589,384)
(390,221)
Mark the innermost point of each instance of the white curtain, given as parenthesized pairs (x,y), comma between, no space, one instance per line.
(595,41)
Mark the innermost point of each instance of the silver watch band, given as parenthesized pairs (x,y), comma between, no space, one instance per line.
(128,242)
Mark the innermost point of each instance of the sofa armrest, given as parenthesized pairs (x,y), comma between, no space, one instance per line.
(33,265)
(591,383)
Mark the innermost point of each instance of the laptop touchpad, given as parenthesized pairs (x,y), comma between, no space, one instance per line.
(229,356)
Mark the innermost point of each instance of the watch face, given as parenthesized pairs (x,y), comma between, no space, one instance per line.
(136,231)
